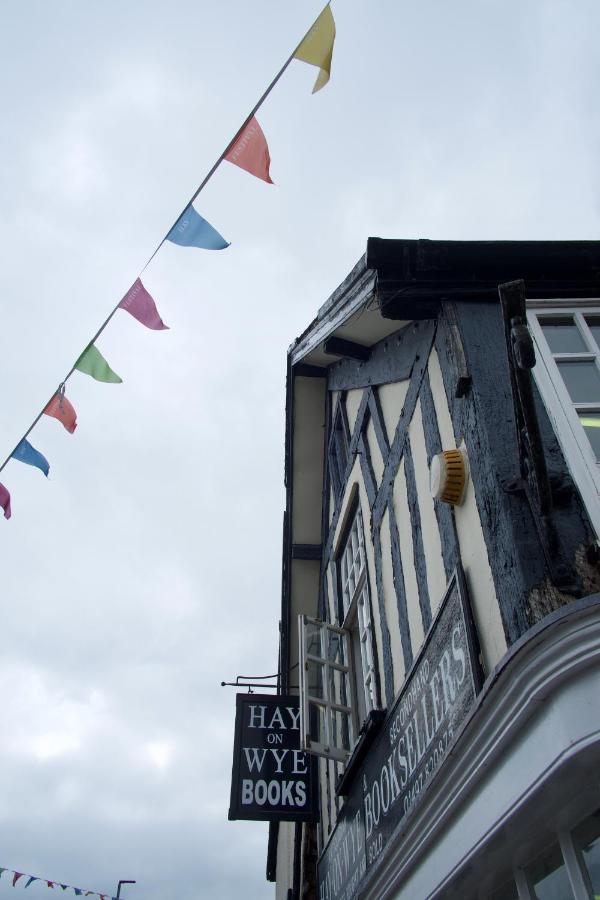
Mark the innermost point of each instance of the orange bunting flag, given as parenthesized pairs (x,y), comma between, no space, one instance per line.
(316,47)
(60,408)
(250,151)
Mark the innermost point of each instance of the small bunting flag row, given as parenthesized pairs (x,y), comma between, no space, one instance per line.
(249,151)
(79,892)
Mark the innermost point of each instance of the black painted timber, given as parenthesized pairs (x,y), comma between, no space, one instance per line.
(367,470)
(307,551)
(391,360)
(378,422)
(401,435)
(400,588)
(336,346)
(414,276)
(486,419)
(417,537)
(305,370)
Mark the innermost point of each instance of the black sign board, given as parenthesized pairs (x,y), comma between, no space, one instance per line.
(272,779)
(439,692)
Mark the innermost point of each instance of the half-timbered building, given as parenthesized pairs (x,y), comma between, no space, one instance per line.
(440,608)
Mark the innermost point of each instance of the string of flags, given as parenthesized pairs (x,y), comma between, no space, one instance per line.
(79,892)
(248,150)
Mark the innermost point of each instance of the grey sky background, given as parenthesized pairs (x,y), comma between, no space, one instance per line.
(147,568)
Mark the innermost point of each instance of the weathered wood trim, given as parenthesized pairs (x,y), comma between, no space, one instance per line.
(388,665)
(306,370)
(394,458)
(443,513)
(352,294)
(493,455)
(336,346)
(399,586)
(417,537)
(307,551)
(391,359)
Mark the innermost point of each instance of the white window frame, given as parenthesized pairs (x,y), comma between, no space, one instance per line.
(328,748)
(575,445)
(356,606)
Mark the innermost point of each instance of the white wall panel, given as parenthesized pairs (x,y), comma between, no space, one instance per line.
(391,604)
(432,545)
(415,621)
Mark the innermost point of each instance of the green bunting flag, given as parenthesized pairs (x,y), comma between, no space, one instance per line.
(91,362)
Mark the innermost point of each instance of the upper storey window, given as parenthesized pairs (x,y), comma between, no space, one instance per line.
(338,686)
(338,452)
(568,375)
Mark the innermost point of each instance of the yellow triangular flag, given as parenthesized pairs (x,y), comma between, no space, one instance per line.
(317,47)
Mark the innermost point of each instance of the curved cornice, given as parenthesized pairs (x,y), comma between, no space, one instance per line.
(543,664)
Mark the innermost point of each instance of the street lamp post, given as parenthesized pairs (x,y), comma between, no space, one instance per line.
(119,887)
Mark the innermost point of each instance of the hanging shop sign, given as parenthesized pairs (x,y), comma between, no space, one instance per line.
(414,741)
(272,778)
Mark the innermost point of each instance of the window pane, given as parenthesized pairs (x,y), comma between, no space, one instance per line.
(339,688)
(336,648)
(549,877)
(507,891)
(582,380)
(313,639)
(563,335)
(587,839)
(341,729)
(593,323)
(591,426)
(317,728)
(315,680)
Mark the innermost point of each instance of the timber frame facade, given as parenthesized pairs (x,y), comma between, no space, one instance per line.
(420,351)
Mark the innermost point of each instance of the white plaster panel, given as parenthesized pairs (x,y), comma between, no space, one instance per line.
(376,457)
(304,598)
(391,605)
(391,398)
(353,399)
(284,870)
(308,436)
(432,545)
(473,550)
(411,588)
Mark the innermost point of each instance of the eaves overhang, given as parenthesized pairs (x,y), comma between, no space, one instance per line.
(403,280)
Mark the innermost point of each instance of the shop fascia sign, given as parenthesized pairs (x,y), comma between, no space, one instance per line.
(272,778)
(415,738)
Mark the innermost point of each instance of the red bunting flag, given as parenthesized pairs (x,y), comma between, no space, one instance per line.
(50,884)
(5,504)
(16,877)
(60,408)
(250,151)
(138,303)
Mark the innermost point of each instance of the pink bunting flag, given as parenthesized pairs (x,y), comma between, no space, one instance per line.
(138,303)
(250,151)
(16,877)
(5,503)
(60,408)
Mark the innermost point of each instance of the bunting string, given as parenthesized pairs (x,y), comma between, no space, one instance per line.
(79,892)
(248,150)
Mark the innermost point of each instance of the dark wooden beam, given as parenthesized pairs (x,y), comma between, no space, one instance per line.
(307,551)
(306,370)
(336,346)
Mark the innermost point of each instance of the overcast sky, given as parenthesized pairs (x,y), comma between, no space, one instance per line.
(146,569)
